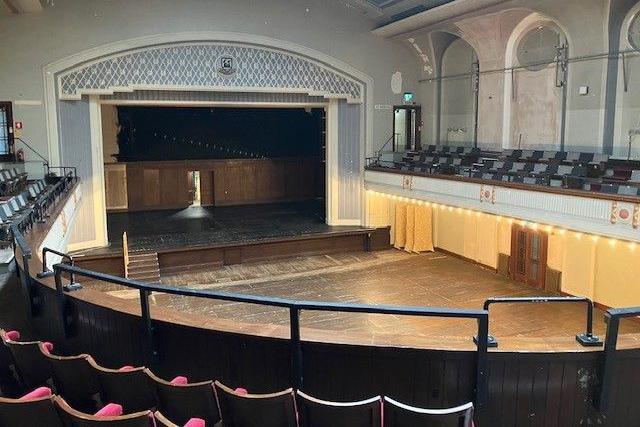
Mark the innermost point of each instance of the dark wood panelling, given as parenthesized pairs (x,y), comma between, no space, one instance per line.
(183,259)
(165,185)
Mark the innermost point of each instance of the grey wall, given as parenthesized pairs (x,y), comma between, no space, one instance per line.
(73,131)
(30,41)
(457,97)
(349,165)
(592,27)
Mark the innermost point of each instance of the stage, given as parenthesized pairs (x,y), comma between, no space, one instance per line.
(389,277)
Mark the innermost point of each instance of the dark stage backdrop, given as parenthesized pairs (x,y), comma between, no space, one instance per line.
(176,133)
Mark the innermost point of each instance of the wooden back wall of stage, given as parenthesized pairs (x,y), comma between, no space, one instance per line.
(165,185)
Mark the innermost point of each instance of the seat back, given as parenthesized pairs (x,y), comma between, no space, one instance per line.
(182,402)
(29,413)
(74,418)
(132,388)
(31,362)
(76,380)
(314,412)
(397,414)
(250,410)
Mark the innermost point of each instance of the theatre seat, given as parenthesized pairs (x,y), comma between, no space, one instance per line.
(162,421)
(251,410)
(76,380)
(180,402)
(75,418)
(314,412)
(37,412)
(31,363)
(131,388)
(397,414)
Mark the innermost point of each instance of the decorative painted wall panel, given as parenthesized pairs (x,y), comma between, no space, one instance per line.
(583,214)
(208,66)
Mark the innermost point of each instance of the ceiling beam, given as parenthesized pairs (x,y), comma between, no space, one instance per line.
(23,6)
(434,16)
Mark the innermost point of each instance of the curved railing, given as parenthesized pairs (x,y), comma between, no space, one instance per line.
(294,307)
(481,316)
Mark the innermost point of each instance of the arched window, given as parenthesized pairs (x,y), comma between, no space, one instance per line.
(539,48)
(538,85)
(458,94)
(634,32)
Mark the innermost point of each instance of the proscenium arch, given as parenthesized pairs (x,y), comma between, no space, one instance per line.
(524,26)
(357,111)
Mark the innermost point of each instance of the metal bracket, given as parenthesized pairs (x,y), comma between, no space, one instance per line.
(72,287)
(589,340)
(492,342)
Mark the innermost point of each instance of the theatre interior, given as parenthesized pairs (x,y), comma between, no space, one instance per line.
(319,213)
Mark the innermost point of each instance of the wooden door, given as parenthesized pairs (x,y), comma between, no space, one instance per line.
(528,256)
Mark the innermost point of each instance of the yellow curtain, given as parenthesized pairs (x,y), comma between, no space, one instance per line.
(413,229)
(410,228)
(400,233)
(423,236)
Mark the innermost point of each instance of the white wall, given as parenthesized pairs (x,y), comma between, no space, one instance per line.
(30,41)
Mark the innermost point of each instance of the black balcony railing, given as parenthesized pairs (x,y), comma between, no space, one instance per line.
(586,339)
(294,307)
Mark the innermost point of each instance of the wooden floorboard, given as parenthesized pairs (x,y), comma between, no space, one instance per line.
(387,277)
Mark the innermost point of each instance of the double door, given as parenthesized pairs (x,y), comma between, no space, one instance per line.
(528,256)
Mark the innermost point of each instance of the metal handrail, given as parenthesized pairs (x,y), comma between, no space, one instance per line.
(294,306)
(586,339)
(612,318)
(46,272)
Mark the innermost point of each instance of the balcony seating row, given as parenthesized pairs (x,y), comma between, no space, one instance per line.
(83,385)
(574,170)
(13,208)
(11,180)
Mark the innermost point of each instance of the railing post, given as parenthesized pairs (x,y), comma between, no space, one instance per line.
(147,328)
(62,304)
(482,362)
(588,339)
(296,348)
(610,362)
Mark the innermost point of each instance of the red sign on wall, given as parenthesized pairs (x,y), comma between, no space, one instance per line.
(18,125)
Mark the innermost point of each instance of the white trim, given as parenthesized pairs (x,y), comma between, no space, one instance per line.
(331,155)
(79,246)
(97,166)
(230,104)
(51,115)
(583,214)
(350,222)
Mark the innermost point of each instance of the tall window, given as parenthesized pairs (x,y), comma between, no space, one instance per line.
(634,32)
(6,128)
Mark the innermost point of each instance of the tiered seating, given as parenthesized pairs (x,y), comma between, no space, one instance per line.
(14,209)
(77,388)
(11,181)
(573,170)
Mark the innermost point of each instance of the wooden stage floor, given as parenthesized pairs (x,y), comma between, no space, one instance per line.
(388,277)
(207,226)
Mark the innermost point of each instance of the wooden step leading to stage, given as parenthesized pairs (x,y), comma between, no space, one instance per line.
(143,267)
(176,260)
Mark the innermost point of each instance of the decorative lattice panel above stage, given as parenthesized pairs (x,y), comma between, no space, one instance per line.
(208,66)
